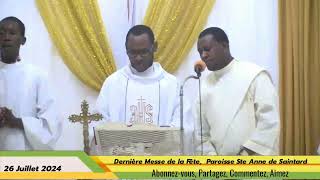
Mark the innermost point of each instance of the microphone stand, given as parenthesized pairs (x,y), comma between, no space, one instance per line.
(181,109)
(200,117)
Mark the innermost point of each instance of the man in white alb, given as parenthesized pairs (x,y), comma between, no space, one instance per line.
(142,91)
(27,116)
(240,113)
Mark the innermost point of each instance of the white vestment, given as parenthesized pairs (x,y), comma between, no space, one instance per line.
(318,151)
(24,90)
(239,109)
(151,97)
(133,97)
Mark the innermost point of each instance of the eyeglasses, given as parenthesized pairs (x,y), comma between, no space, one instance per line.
(142,53)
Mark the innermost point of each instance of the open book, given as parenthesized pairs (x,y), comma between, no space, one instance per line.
(138,139)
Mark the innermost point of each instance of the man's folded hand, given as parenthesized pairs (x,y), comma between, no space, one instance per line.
(7,119)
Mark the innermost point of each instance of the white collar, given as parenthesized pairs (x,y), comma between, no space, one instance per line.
(9,66)
(145,73)
(219,73)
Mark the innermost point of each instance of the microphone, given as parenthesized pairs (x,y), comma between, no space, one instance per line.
(199,66)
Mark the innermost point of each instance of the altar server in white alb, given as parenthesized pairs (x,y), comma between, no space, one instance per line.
(240,113)
(142,91)
(27,116)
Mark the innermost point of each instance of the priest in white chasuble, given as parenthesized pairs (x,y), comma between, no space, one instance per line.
(142,91)
(240,113)
(27,114)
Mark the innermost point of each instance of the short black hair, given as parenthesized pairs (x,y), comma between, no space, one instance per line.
(218,34)
(18,21)
(141,29)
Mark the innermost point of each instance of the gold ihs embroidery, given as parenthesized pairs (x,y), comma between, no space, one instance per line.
(142,112)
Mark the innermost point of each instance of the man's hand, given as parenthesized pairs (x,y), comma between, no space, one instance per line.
(1,117)
(247,152)
(7,119)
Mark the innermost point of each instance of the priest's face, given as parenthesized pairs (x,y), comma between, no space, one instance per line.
(140,51)
(11,39)
(212,52)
